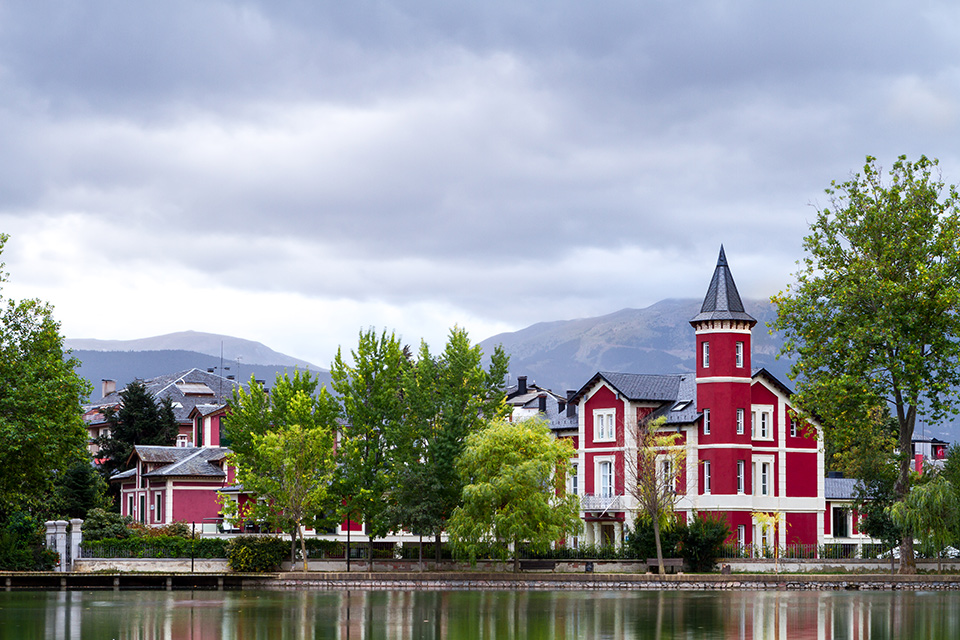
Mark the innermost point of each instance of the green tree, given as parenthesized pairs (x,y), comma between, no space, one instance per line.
(79,489)
(514,491)
(370,392)
(931,512)
(139,420)
(447,398)
(874,317)
(654,479)
(42,432)
(284,453)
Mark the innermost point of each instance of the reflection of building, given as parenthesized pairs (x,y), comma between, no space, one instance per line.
(744,452)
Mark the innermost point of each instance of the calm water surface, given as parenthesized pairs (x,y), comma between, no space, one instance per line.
(369,615)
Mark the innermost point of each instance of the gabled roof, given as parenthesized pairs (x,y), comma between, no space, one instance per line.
(183,461)
(186,389)
(722,301)
(636,386)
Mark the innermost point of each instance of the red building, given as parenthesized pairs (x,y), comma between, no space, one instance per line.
(744,455)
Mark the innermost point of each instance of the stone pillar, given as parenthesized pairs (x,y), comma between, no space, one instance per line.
(57,541)
(76,535)
(617,534)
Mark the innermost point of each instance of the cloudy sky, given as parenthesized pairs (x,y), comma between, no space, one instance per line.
(292,171)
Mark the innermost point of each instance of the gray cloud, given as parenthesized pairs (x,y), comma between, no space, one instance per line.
(433,153)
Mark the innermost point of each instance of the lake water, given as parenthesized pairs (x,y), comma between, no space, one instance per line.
(369,615)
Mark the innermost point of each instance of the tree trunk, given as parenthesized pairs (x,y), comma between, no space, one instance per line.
(303,549)
(656,539)
(906,420)
(293,548)
(369,554)
(437,551)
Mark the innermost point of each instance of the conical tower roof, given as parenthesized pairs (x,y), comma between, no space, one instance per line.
(722,301)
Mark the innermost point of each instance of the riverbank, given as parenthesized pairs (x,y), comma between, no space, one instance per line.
(477,581)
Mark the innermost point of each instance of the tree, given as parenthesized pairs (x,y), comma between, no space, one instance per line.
(653,480)
(447,398)
(41,425)
(874,317)
(514,491)
(930,512)
(139,420)
(284,453)
(370,392)
(79,489)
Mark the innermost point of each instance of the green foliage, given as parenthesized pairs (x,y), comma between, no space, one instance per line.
(158,546)
(79,490)
(256,554)
(102,525)
(931,513)
(514,478)
(22,545)
(874,318)
(370,391)
(284,452)
(41,427)
(702,540)
(139,420)
(447,397)
(641,541)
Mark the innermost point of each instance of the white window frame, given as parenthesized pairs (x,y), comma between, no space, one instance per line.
(739,354)
(706,422)
(765,468)
(604,425)
(741,535)
(707,478)
(158,506)
(574,479)
(763,416)
(706,354)
(793,429)
(741,476)
(599,476)
(741,418)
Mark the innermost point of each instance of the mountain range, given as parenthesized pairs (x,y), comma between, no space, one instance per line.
(557,355)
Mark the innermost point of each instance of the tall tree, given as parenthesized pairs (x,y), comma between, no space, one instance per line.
(41,426)
(141,419)
(514,491)
(283,450)
(874,317)
(653,474)
(931,513)
(447,398)
(370,392)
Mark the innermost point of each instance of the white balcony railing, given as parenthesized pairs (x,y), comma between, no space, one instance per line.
(592,502)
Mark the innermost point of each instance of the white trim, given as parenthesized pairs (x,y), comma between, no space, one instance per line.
(608,416)
(597,461)
(746,332)
(706,379)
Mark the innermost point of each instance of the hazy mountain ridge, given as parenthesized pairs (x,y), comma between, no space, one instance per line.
(211,344)
(657,339)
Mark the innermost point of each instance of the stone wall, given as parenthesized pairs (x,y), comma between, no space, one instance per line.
(150,565)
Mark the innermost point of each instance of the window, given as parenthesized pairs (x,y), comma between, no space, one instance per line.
(841,527)
(741,466)
(706,422)
(707,480)
(158,506)
(764,424)
(793,428)
(706,355)
(605,473)
(574,480)
(666,479)
(765,479)
(753,424)
(740,355)
(741,535)
(130,506)
(740,422)
(603,424)
(199,429)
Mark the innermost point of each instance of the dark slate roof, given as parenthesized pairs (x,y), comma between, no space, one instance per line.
(722,301)
(185,389)
(684,409)
(189,461)
(643,386)
(840,488)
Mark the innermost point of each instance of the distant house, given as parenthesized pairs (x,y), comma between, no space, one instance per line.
(841,519)
(744,452)
(185,390)
(169,484)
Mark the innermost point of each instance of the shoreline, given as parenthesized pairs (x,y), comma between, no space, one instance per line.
(476,581)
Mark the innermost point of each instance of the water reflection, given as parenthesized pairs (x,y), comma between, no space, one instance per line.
(432,615)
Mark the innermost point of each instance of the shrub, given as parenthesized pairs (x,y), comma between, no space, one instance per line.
(155,547)
(642,545)
(22,545)
(702,540)
(103,525)
(253,554)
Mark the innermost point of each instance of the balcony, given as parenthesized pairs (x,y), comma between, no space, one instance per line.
(592,502)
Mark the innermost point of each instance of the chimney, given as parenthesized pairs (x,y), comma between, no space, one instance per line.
(521,384)
(571,408)
(107,387)
(542,403)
